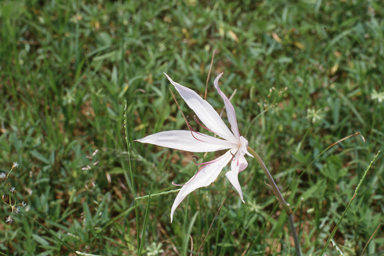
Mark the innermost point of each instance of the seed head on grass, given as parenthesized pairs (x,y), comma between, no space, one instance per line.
(15,165)
(15,207)
(90,183)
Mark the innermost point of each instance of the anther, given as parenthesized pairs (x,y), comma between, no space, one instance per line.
(195,159)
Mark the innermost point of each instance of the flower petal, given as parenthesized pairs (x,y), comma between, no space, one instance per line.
(237,166)
(184,140)
(231,114)
(204,111)
(203,178)
(244,147)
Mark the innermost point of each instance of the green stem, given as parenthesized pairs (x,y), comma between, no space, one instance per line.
(158,194)
(144,226)
(280,198)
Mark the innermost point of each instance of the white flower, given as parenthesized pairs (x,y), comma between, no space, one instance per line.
(16,209)
(377,95)
(9,219)
(194,141)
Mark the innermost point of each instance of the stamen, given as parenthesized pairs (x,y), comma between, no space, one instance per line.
(190,179)
(185,118)
(233,155)
(197,120)
(195,159)
(207,163)
(192,131)
(202,167)
(179,185)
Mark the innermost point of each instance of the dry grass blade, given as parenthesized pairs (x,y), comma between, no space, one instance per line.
(179,106)
(370,239)
(349,136)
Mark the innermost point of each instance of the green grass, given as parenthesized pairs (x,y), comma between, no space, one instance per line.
(66,68)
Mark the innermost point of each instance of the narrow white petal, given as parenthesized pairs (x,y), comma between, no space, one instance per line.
(203,178)
(204,111)
(230,109)
(184,140)
(237,165)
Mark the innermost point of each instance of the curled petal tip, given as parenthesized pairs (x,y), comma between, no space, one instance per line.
(216,82)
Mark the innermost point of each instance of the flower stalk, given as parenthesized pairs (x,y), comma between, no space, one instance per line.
(280,198)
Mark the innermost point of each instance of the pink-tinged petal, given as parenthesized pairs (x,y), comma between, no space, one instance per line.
(203,178)
(187,141)
(231,114)
(204,111)
(237,166)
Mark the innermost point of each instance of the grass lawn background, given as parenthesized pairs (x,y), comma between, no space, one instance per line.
(66,68)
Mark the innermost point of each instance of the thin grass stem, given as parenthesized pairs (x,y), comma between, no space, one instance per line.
(301,215)
(158,194)
(349,204)
(144,226)
(254,119)
(131,174)
(124,213)
(217,213)
(374,233)
(325,150)
(38,223)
